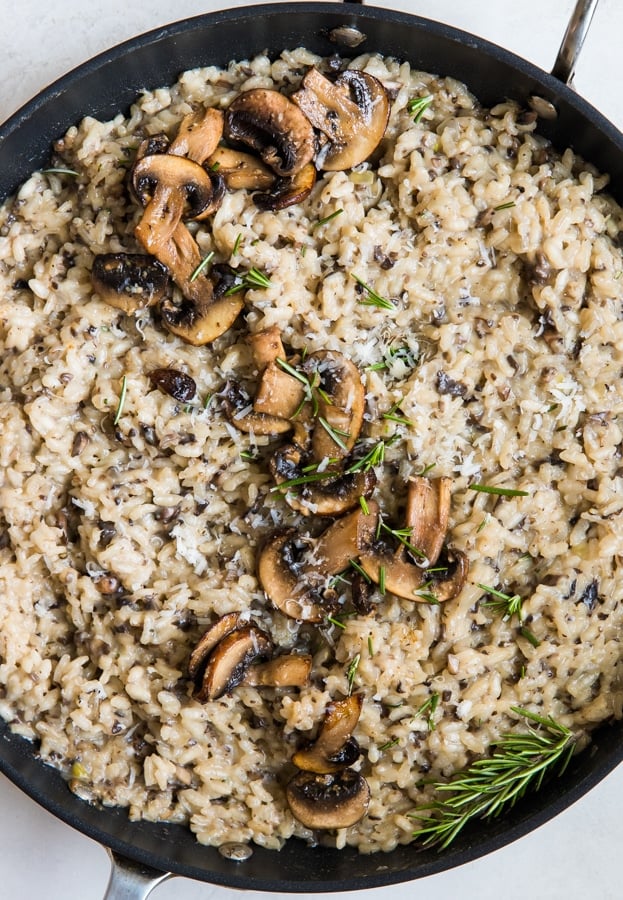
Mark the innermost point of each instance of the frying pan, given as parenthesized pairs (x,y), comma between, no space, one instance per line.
(109,83)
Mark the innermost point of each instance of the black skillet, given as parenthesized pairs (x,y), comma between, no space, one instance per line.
(143,852)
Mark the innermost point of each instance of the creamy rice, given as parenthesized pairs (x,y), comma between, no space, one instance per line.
(503,262)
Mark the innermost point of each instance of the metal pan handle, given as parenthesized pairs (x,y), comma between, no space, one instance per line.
(130,880)
(572,42)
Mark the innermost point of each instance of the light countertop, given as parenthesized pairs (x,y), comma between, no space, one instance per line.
(573,857)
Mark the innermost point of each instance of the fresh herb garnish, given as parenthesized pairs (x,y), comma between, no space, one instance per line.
(360,570)
(500,491)
(429,706)
(372,298)
(370,646)
(529,636)
(336,434)
(326,219)
(333,621)
(391,416)
(352,671)
(202,265)
(506,604)
(402,535)
(120,405)
(302,479)
(484,523)
(388,744)
(252,278)
(486,788)
(508,205)
(236,247)
(418,106)
(363,503)
(382,575)
(374,457)
(403,353)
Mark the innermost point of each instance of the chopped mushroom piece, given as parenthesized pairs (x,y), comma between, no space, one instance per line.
(299,592)
(229,660)
(129,281)
(345,539)
(334,748)
(266,346)
(210,638)
(274,127)
(243,415)
(199,134)
(176,384)
(288,191)
(289,670)
(341,403)
(428,511)
(333,495)
(278,393)
(241,170)
(352,113)
(328,801)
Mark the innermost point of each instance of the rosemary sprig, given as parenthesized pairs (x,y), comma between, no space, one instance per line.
(519,762)
(429,706)
(403,353)
(202,265)
(418,106)
(302,479)
(329,218)
(361,571)
(374,457)
(252,278)
(500,491)
(509,205)
(506,604)
(363,503)
(236,247)
(372,298)
(402,535)
(352,671)
(336,434)
(391,415)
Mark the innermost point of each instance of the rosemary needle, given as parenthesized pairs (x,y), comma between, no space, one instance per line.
(519,762)
(124,388)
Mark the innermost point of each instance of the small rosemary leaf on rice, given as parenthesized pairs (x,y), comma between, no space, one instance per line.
(202,265)
(120,405)
(372,298)
(500,491)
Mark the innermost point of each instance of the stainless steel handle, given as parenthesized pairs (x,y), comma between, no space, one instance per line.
(572,42)
(130,880)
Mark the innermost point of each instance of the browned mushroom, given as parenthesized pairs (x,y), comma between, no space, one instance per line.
(274,127)
(129,281)
(288,670)
(292,587)
(329,492)
(210,638)
(198,135)
(241,170)
(345,539)
(328,801)
(351,113)
(428,511)
(340,397)
(266,346)
(243,415)
(278,393)
(229,660)
(171,188)
(288,191)
(334,748)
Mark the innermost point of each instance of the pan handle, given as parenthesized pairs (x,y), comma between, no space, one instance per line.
(130,880)
(572,42)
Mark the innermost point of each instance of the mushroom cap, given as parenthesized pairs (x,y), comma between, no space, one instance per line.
(278,393)
(297,593)
(242,170)
(229,660)
(271,124)
(201,323)
(328,801)
(129,281)
(288,191)
(352,114)
(331,496)
(427,514)
(341,403)
(288,670)
(199,134)
(166,172)
(334,747)
(223,626)
(345,539)
(236,406)
(176,384)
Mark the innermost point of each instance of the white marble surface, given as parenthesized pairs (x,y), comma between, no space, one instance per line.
(574,857)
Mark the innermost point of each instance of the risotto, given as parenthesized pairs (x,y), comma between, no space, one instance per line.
(158,514)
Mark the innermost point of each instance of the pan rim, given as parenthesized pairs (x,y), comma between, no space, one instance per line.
(237,878)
